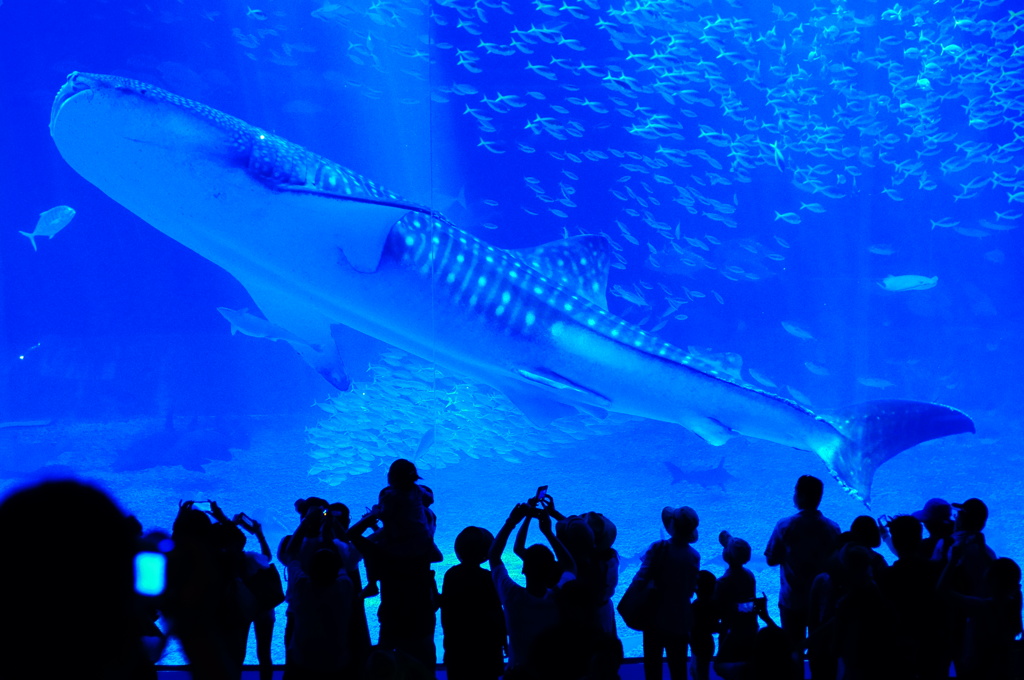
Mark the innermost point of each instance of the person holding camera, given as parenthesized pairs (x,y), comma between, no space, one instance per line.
(531,611)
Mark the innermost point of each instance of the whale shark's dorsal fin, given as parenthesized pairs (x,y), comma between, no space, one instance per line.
(579,263)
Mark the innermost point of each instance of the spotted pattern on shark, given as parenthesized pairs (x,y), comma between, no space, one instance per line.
(516,292)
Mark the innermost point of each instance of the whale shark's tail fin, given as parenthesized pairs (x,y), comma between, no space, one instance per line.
(875,431)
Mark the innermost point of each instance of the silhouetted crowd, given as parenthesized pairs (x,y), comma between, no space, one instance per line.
(85,589)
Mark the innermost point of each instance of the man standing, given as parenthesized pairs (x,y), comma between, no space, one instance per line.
(801,544)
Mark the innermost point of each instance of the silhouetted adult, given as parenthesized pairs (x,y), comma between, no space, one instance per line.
(801,544)
(937,517)
(321,604)
(263,579)
(532,611)
(471,615)
(993,621)
(589,538)
(238,608)
(673,565)
(966,563)
(359,632)
(296,550)
(919,631)
(69,600)
(826,589)
(864,531)
(208,605)
(403,506)
(401,554)
(975,557)
(862,621)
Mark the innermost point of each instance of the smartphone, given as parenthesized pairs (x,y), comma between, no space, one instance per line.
(542,492)
(745,607)
(150,573)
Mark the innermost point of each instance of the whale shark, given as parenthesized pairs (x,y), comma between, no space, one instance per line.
(316,244)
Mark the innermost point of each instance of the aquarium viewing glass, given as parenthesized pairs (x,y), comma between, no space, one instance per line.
(818,201)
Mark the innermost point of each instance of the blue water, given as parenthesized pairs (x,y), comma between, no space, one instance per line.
(760,170)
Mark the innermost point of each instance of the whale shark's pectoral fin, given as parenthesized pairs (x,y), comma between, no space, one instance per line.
(710,430)
(539,408)
(579,264)
(308,333)
(537,397)
(327,362)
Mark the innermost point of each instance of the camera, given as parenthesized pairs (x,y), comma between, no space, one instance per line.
(150,565)
(150,573)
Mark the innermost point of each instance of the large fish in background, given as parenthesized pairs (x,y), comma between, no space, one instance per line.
(316,244)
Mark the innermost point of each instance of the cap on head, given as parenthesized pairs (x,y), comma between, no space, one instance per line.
(603,528)
(972,514)
(681,523)
(935,510)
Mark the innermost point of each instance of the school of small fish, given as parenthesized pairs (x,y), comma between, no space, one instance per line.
(411,409)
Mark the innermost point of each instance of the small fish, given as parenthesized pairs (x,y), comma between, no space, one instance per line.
(881,249)
(874,382)
(798,396)
(944,223)
(813,207)
(426,441)
(816,369)
(696,243)
(790,217)
(761,378)
(49,223)
(796,331)
(908,282)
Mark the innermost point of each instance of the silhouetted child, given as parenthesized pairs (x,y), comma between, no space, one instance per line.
(705,623)
(471,615)
(734,604)
(403,506)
